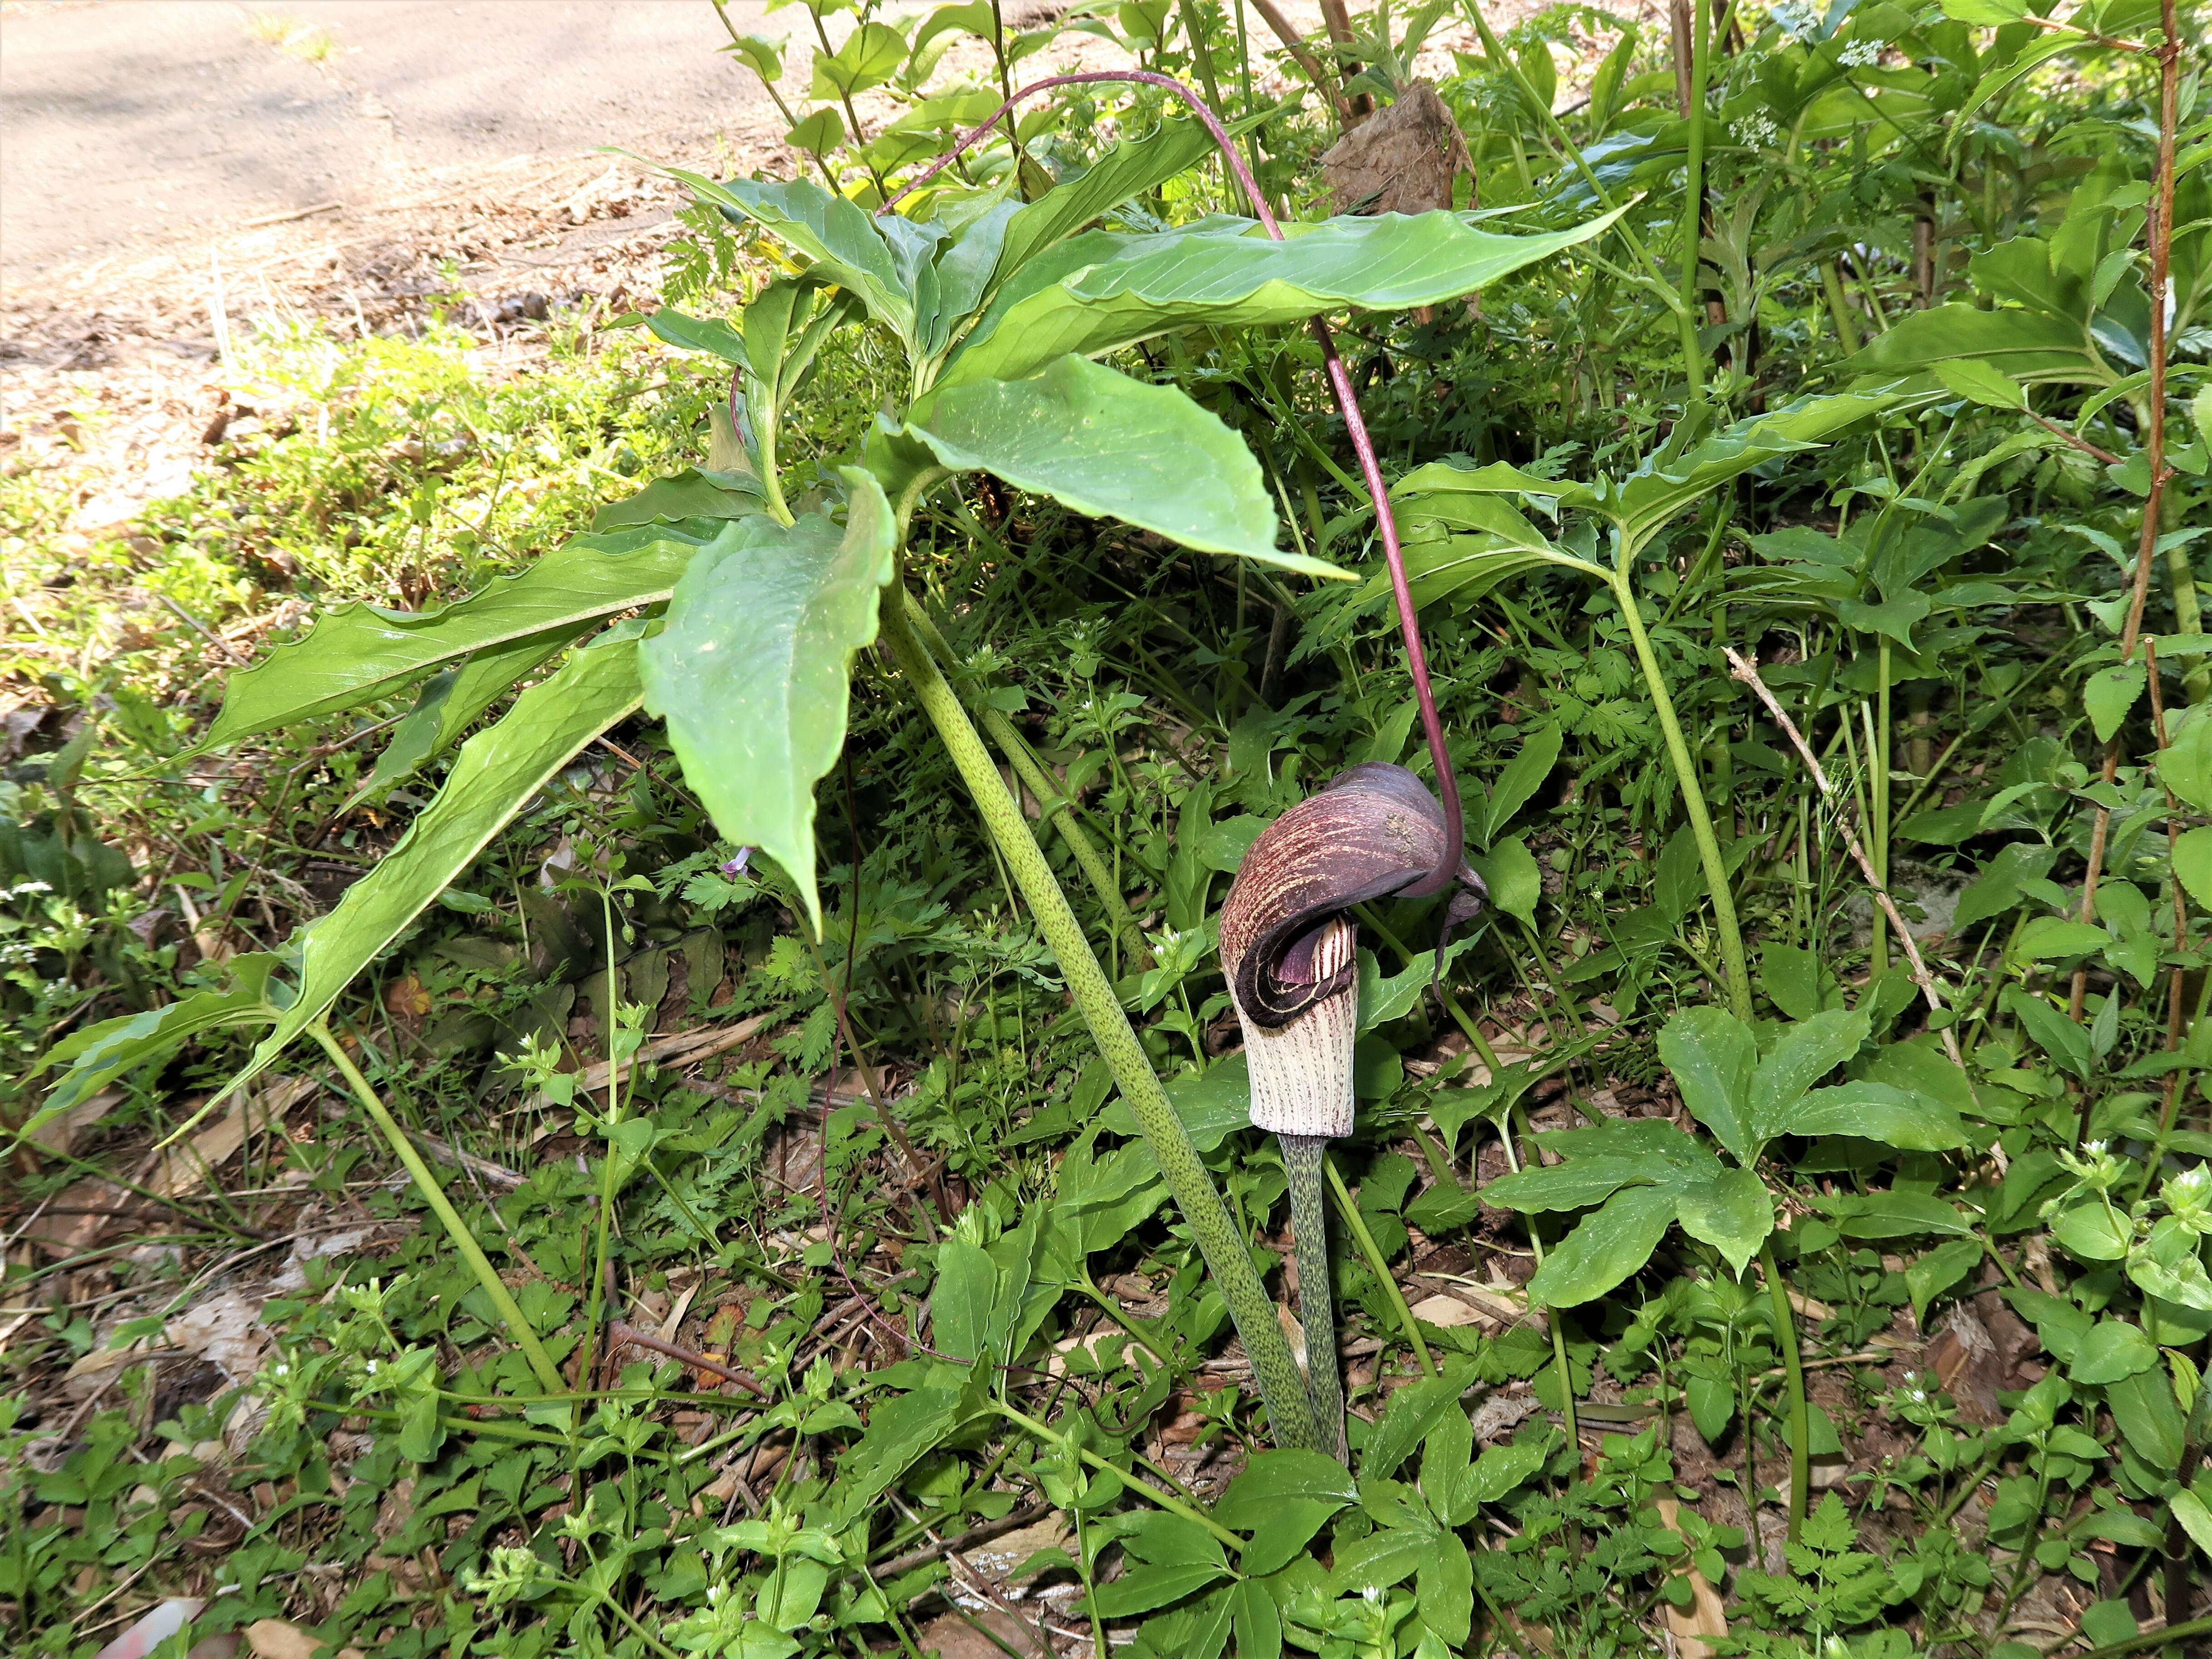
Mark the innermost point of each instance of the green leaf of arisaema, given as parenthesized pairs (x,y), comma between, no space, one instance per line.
(1747,1101)
(1131,167)
(693,493)
(1643,1174)
(453,700)
(1689,467)
(751,669)
(1096,292)
(357,652)
(493,778)
(1712,1054)
(1611,1244)
(1693,462)
(1110,446)
(99,1053)
(842,243)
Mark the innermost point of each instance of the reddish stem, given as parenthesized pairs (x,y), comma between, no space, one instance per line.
(1348,402)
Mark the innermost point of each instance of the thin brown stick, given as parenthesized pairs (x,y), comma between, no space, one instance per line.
(621,1331)
(1744,669)
(1294,43)
(2103,456)
(966,1540)
(2159,230)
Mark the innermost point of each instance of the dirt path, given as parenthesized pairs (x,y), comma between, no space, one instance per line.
(128,125)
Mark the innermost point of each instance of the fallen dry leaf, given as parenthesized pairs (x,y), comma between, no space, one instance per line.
(186,1168)
(1446,1312)
(273,1638)
(1402,160)
(58,1134)
(1697,1627)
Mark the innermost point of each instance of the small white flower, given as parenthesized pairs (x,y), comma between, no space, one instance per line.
(1860,53)
(1758,130)
(2094,1149)
(1796,19)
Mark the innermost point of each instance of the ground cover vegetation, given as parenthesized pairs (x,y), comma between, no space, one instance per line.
(657,1076)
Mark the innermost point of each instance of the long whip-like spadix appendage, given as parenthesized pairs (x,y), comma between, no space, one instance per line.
(1446,870)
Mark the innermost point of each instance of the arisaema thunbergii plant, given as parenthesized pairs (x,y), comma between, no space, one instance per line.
(746,593)
(1639,1177)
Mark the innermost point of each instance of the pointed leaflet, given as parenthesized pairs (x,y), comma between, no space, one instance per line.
(454,699)
(1712,1055)
(693,334)
(1413,1411)
(693,493)
(493,778)
(750,670)
(2029,347)
(1730,1211)
(1574,1185)
(1609,1245)
(1111,447)
(1130,169)
(1427,490)
(1909,1120)
(1523,776)
(843,243)
(1666,483)
(902,1429)
(1803,1055)
(99,1053)
(1099,291)
(357,652)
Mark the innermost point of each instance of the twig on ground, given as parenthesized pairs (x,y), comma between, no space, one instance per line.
(620,1331)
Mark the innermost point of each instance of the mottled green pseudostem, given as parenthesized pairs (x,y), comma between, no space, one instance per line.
(1281,1385)
(1058,809)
